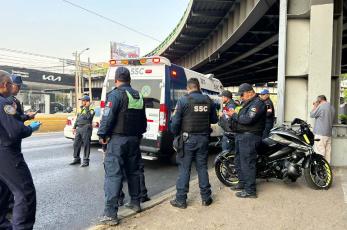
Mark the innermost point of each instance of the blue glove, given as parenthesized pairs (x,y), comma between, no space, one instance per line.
(35,125)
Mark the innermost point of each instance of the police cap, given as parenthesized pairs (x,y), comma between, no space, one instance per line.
(17,80)
(122,74)
(226,93)
(85,98)
(264,91)
(245,87)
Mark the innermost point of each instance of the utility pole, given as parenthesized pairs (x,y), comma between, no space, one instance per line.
(79,77)
(76,79)
(90,80)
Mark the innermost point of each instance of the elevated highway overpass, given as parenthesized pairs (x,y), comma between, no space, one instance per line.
(300,44)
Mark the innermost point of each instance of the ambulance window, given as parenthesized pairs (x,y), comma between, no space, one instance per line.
(150,90)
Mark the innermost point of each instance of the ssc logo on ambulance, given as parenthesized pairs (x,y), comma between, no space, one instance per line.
(146,90)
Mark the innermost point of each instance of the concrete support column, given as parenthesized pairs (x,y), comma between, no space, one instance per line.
(312,58)
(321,50)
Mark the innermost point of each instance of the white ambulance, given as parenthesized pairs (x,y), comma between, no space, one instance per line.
(161,83)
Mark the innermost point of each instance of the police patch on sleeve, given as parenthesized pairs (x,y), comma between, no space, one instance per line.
(253,112)
(9,109)
(107,111)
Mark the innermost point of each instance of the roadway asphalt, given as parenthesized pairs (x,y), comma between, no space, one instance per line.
(71,197)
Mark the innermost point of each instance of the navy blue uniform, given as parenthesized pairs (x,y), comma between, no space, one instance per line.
(19,108)
(195,147)
(84,130)
(227,144)
(249,128)
(14,172)
(270,117)
(123,150)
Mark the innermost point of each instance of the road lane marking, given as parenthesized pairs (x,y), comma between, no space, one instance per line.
(344,188)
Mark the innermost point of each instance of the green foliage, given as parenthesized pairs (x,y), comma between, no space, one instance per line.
(343,118)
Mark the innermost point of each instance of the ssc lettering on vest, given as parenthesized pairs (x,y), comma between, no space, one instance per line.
(200,108)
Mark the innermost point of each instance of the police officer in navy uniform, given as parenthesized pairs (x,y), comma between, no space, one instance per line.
(250,123)
(225,121)
(192,119)
(20,115)
(123,123)
(17,83)
(14,172)
(270,112)
(83,131)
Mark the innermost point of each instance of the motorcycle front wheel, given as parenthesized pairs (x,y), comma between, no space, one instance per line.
(318,174)
(226,171)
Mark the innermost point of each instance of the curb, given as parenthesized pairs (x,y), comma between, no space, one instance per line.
(155,200)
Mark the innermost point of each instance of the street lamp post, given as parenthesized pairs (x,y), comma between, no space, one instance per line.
(78,80)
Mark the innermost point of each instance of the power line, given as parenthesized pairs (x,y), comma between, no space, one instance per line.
(111,20)
(32,54)
(40,55)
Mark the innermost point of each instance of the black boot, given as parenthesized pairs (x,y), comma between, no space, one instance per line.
(207,202)
(237,187)
(134,207)
(145,199)
(178,204)
(75,162)
(244,194)
(85,164)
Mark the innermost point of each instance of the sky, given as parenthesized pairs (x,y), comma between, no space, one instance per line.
(55,28)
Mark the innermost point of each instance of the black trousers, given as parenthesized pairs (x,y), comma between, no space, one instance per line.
(246,158)
(15,174)
(82,137)
(143,189)
(122,155)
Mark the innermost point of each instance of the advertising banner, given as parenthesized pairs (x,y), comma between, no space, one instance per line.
(123,51)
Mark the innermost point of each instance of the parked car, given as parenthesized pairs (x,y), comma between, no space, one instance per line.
(96,123)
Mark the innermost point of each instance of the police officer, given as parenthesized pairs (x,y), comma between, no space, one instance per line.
(16,86)
(270,112)
(225,122)
(250,123)
(14,172)
(123,122)
(83,131)
(192,118)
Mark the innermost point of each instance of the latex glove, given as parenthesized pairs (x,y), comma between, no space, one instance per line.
(35,125)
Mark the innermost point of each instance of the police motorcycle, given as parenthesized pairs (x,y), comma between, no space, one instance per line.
(286,154)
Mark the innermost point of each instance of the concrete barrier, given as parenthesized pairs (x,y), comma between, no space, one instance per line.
(51,122)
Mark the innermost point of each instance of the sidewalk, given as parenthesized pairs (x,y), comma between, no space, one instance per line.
(278,206)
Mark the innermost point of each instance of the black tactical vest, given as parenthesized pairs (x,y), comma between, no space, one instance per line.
(196,119)
(130,118)
(257,127)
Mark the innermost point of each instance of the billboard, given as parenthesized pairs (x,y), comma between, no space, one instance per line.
(123,51)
